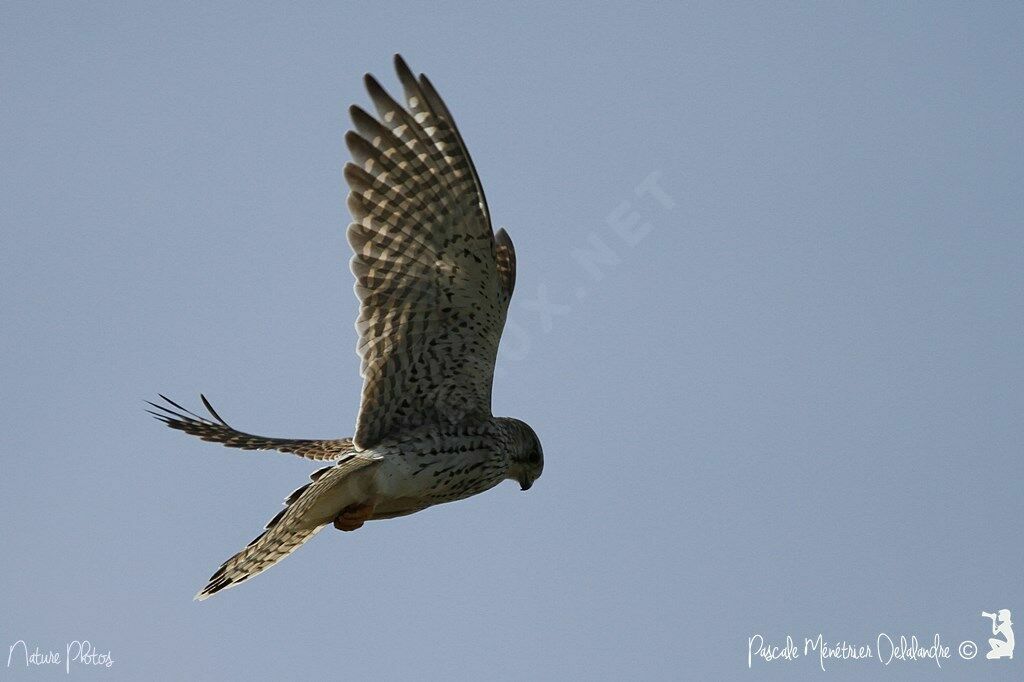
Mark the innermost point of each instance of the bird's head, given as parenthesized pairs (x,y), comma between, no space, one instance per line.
(527,454)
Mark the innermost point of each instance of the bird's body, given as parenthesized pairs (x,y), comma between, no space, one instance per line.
(434,282)
(430,466)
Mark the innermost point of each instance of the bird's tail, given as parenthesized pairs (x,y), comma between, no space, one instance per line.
(306,511)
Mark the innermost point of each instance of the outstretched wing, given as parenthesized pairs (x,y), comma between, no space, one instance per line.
(433,281)
(216,430)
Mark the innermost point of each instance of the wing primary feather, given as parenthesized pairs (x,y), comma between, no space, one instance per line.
(183,409)
(435,102)
(209,407)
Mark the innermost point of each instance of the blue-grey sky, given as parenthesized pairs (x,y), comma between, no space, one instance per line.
(767,324)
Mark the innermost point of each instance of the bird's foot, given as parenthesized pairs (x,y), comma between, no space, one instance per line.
(353,516)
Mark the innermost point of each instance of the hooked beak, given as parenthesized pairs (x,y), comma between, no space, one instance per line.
(525,484)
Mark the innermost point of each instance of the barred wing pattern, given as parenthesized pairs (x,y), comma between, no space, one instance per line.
(216,430)
(433,281)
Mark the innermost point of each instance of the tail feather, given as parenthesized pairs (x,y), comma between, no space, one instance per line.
(300,520)
(216,430)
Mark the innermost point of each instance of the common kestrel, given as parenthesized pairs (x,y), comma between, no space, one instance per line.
(434,283)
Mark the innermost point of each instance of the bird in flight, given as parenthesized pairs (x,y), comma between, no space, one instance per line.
(434,283)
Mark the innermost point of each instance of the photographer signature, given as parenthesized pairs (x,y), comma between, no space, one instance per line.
(79,652)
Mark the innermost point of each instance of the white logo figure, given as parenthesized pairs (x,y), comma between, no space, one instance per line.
(1001,648)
